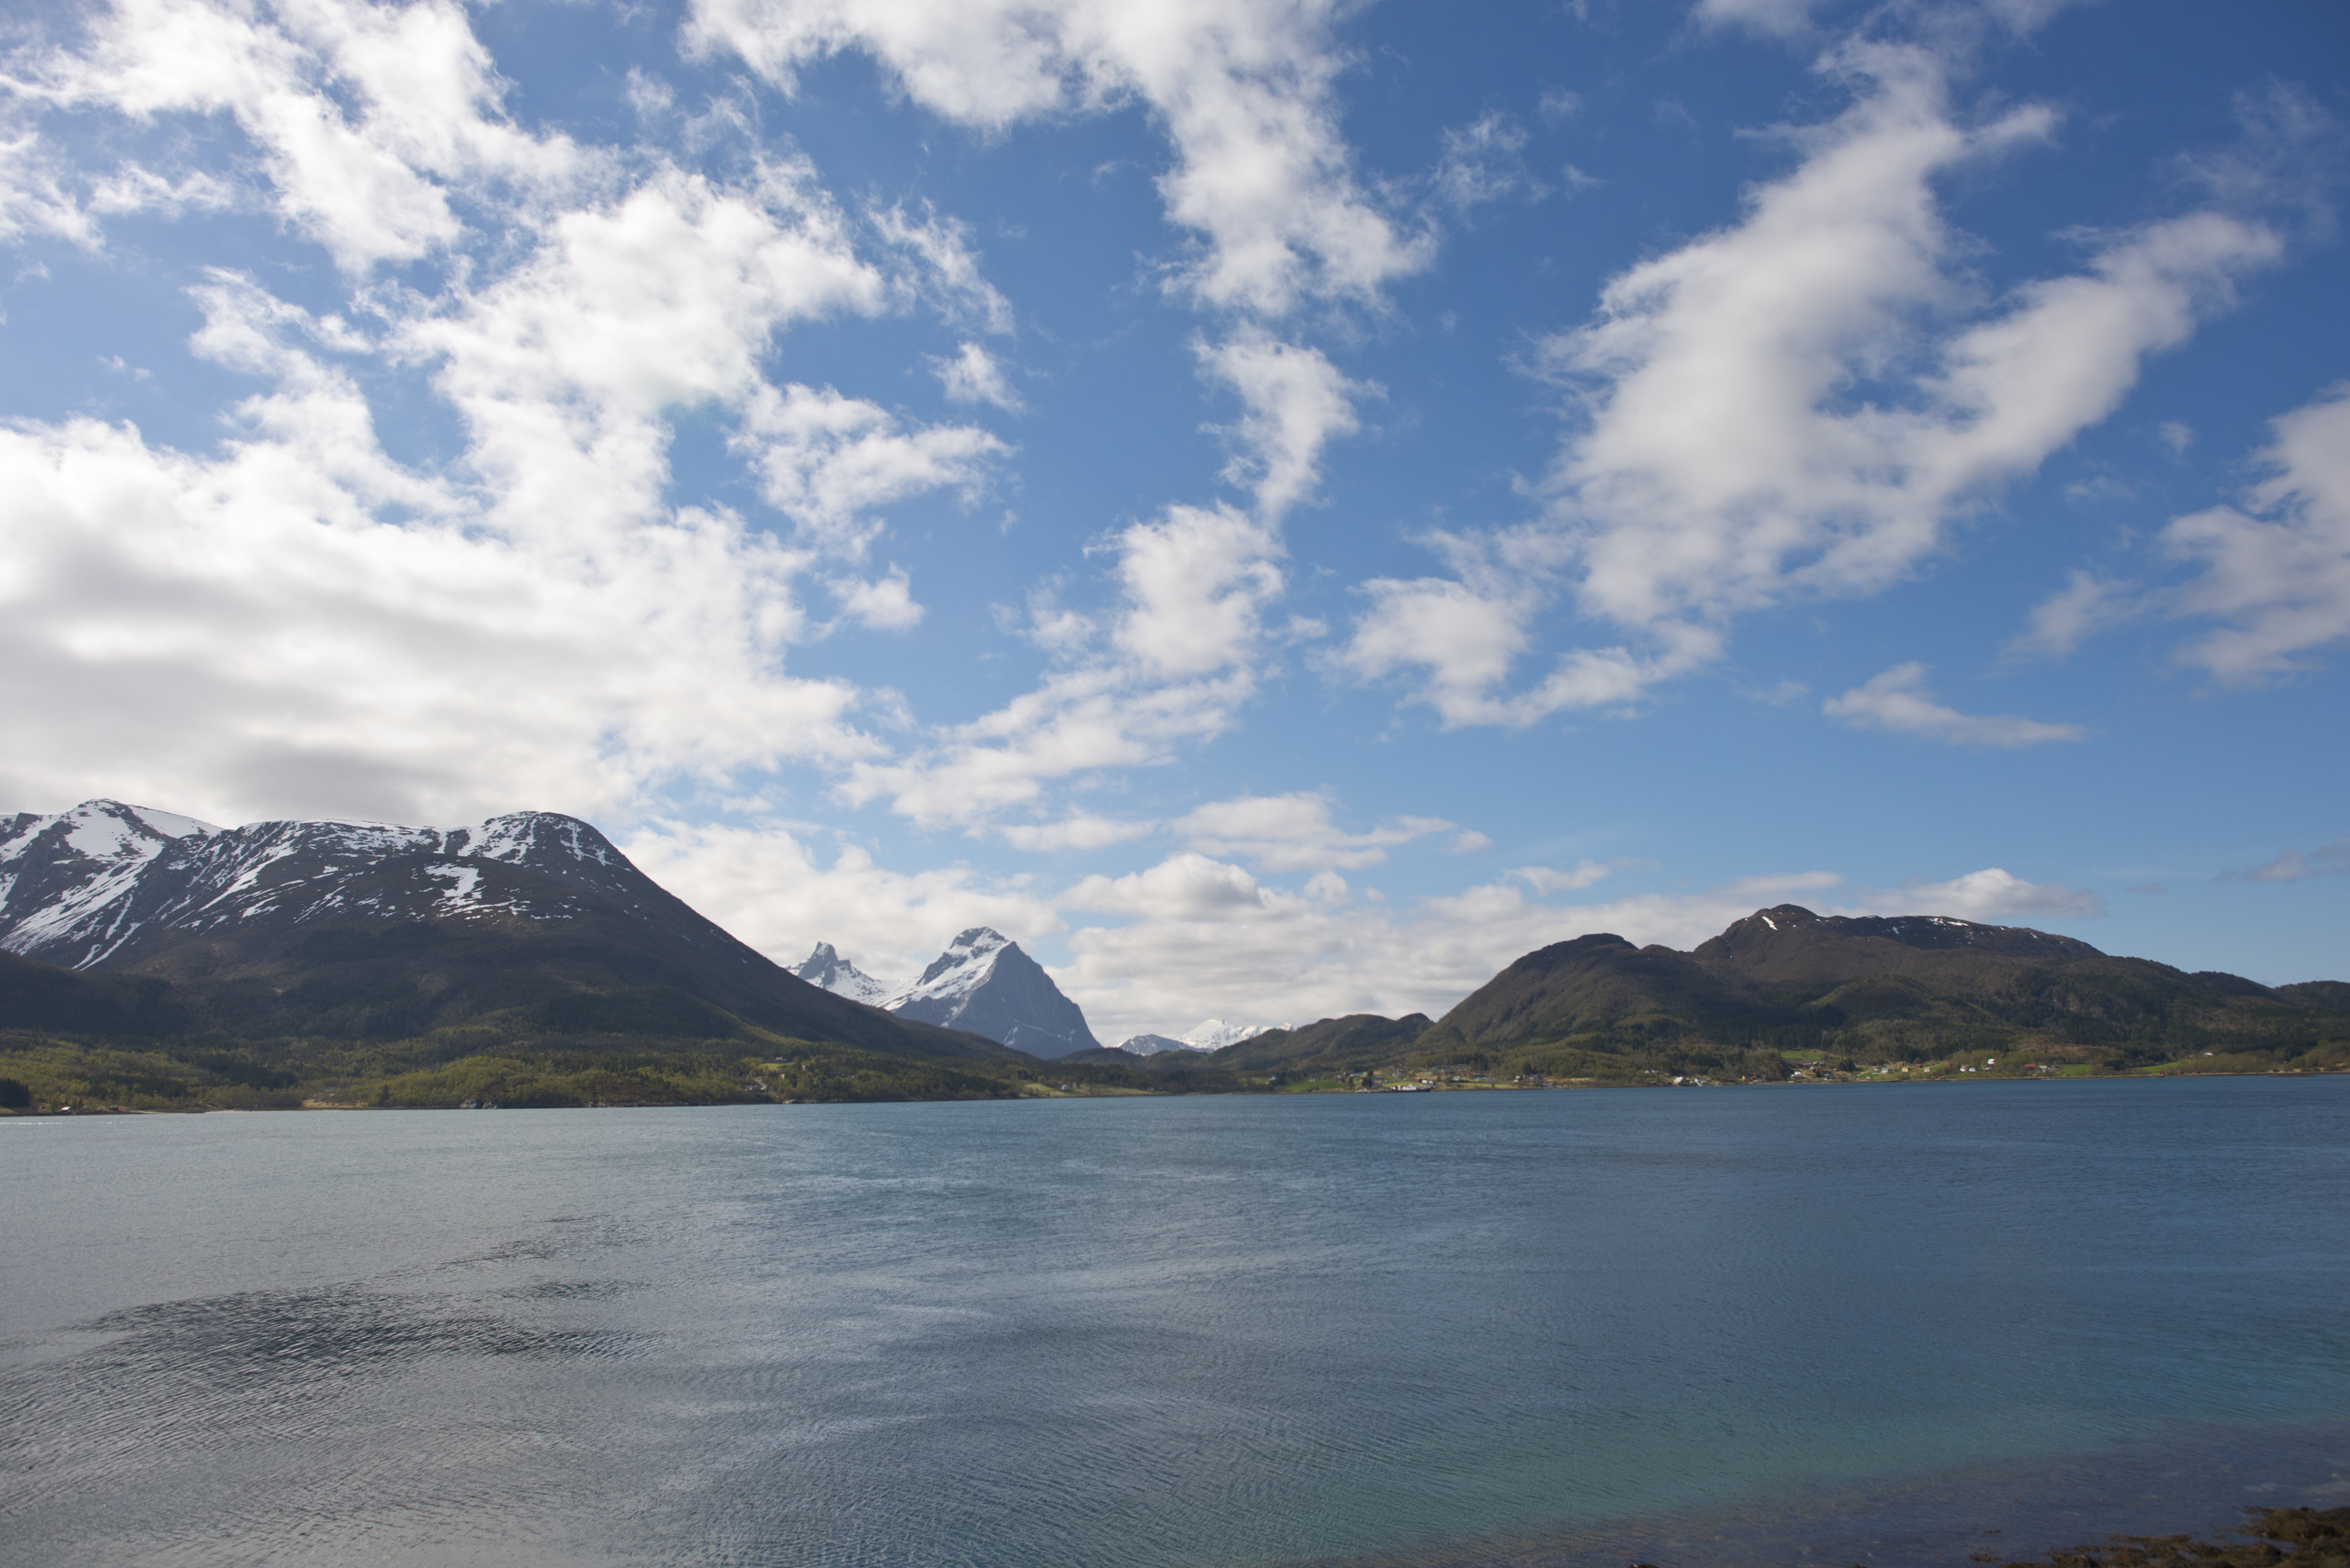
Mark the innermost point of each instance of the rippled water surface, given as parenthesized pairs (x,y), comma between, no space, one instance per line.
(1826,1325)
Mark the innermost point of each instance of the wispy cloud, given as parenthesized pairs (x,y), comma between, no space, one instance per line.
(1898,700)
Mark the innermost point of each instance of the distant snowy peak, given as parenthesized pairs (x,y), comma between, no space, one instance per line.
(984,983)
(1214,1033)
(828,970)
(1152,1044)
(966,965)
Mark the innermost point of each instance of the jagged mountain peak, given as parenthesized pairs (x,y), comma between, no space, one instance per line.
(984,983)
(826,968)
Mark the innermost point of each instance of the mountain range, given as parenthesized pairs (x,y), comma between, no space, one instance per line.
(1786,979)
(524,959)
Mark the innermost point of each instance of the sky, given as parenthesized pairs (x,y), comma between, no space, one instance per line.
(1280,506)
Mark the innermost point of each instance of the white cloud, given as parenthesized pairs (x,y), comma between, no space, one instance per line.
(1295,833)
(2084,606)
(1182,887)
(2291,864)
(1079,830)
(1243,90)
(1727,463)
(1986,895)
(1779,17)
(2277,574)
(1296,402)
(662,299)
(827,460)
(243,634)
(1197,584)
(948,268)
(885,603)
(35,197)
(1798,405)
(975,376)
(1483,163)
(366,169)
(1545,881)
(1466,635)
(1075,722)
(1898,700)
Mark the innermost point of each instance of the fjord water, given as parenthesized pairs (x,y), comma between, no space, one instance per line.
(1728,1326)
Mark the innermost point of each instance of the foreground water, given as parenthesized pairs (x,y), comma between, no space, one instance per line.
(1728,1326)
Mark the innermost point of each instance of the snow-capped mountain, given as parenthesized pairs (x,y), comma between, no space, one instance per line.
(106,882)
(1214,1033)
(827,969)
(1152,1044)
(369,929)
(984,983)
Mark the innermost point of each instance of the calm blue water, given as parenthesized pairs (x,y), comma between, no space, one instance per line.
(1730,1326)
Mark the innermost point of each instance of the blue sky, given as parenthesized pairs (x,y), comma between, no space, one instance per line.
(1281,506)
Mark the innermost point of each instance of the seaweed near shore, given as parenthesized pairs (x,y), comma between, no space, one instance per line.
(2301,1537)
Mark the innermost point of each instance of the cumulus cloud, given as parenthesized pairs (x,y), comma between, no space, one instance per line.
(299,622)
(1197,584)
(2291,864)
(826,462)
(564,368)
(885,603)
(1261,173)
(2276,573)
(1295,833)
(1898,700)
(1987,895)
(975,376)
(1799,404)
(1296,402)
(368,118)
(245,634)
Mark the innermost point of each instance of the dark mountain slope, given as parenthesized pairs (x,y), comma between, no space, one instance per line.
(2327,993)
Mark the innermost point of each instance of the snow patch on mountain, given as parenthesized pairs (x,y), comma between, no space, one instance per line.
(1214,1033)
(826,969)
